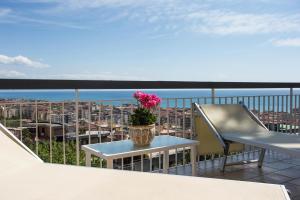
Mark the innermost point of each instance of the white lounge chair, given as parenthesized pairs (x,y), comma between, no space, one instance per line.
(24,176)
(225,128)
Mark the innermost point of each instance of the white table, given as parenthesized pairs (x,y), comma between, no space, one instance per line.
(125,148)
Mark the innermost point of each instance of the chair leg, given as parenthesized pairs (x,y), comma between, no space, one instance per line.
(226,152)
(261,158)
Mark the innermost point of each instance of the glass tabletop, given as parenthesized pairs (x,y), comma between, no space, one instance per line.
(126,146)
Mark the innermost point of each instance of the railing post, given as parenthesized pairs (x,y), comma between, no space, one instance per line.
(64,131)
(291,98)
(77,125)
(213,95)
(36,129)
(5,115)
(21,122)
(89,119)
(291,109)
(50,131)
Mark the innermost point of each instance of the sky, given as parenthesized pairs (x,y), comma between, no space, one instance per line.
(175,40)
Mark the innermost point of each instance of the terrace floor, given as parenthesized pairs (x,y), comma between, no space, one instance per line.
(277,169)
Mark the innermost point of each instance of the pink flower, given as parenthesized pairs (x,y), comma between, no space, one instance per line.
(155,98)
(137,94)
(147,100)
(144,98)
(150,104)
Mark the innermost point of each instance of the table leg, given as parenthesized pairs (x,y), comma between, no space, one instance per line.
(193,160)
(87,159)
(110,163)
(166,161)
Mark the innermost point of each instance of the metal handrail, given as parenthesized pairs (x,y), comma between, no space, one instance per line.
(117,84)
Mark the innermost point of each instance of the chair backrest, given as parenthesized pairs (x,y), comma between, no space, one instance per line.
(13,153)
(213,120)
(233,118)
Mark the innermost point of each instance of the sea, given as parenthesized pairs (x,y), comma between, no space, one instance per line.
(183,97)
(94,95)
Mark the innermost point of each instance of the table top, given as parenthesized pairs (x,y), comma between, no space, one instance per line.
(119,149)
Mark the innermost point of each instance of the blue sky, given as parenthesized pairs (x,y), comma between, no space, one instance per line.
(188,40)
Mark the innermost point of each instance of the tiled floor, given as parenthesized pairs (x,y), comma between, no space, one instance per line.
(277,169)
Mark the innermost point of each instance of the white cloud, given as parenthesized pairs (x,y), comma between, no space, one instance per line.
(4,11)
(71,76)
(96,76)
(291,42)
(8,16)
(21,60)
(100,3)
(17,18)
(228,22)
(11,74)
(81,4)
(46,22)
(200,16)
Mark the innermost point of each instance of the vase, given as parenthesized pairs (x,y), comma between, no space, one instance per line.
(142,135)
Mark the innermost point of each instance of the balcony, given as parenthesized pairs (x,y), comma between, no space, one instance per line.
(55,130)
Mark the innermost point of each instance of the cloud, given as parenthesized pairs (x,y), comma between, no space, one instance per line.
(71,76)
(224,17)
(96,76)
(227,22)
(4,11)
(18,18)
(288,42)
(201,17)
(11,74)
(8,16)
(82,4)
(21,60)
